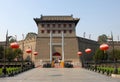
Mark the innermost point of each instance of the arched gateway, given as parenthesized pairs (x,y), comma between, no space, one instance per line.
(57,57)
(57,54)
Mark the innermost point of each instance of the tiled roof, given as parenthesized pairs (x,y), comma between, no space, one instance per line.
(31,35)
(57,18)
(68,18)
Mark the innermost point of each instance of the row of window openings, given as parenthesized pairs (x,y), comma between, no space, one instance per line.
(54,31)
(59,25)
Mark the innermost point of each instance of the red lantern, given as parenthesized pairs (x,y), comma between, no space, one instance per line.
(88,50)
(28,50)
(14,45)
(79,53)
(104,47)
(35,53)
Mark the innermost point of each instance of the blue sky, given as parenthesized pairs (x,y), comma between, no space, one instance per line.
(96,16)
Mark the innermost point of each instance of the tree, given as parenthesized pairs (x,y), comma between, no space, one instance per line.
(18,53)
(11,54)
(116,54)
(102,39)
(1,52)
(12,39)
(100,56)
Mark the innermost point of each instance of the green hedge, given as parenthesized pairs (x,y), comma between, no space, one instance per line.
(0,71)
(110,69)
(11,69)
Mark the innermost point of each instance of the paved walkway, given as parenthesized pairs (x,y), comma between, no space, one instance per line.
(59,75)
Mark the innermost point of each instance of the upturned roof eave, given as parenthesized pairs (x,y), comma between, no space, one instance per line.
(39,20)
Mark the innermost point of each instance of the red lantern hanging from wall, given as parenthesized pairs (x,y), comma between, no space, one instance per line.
(28,50)
(79,53)
(104,47)
(88,50)
(35,53)
(14,45)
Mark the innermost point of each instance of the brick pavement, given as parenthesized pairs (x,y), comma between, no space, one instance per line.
(59,75)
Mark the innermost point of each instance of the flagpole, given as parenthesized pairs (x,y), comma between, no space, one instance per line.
(5,46)
(118,38)
(115,60)
(84,34)
(22,50)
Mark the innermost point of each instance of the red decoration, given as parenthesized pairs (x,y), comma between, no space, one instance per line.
(79,53)
(35,53)
(14,45)
(28,50)
(88,50)
(56,54)
(104,47)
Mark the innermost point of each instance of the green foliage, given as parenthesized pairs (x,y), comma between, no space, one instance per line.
(12,40)
(18,53)
(107,68)
(1,52)
(116,54)
(10,69)
(0,71)
(11,54)
(102,39)
(100,55)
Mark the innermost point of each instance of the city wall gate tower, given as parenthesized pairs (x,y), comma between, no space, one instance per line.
(57,39)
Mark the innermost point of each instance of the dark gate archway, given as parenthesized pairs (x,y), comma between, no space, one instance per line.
(56,54)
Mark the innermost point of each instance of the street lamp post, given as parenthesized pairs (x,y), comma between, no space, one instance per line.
(115,60)
(29,51)
(113,52)
(79,53)
(35,54)
(6,45)
(22,50)
(88,51)
(4,69)
(104,47)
